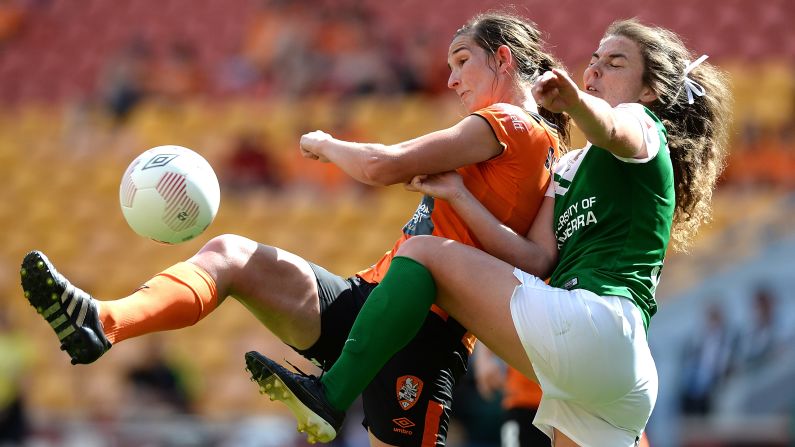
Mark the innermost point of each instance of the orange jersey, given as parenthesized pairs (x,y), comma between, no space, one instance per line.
(511,185)
(519,391)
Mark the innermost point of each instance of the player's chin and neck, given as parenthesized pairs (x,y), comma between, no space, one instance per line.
(470,105)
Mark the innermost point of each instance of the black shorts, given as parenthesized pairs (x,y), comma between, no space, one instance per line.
(518,429)
(410,400)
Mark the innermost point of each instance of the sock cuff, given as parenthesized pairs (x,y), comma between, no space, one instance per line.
(197,280)
(414,268)
(408,261)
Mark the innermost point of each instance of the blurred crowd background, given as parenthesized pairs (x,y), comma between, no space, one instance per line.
(87,85)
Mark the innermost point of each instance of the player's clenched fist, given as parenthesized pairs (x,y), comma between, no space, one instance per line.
(446,185)
(555,91)
(310,145)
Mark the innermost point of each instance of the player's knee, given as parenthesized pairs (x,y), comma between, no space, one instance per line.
(419,248)
(226,244)
(416,247)
(228,249)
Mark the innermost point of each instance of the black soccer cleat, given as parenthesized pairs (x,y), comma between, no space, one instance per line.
(71,312)
(302,393)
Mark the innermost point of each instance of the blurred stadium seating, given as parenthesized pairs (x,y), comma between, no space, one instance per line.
(62,154)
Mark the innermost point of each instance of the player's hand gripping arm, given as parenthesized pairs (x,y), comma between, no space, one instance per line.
(611,128)
(535,253)
(469,141)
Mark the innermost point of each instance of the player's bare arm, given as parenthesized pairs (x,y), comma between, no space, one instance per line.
(602,124)
(536,252)
(469,141)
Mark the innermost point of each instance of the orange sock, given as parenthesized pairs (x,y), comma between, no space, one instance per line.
(177,297)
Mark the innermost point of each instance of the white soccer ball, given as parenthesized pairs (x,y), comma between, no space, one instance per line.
(169,194)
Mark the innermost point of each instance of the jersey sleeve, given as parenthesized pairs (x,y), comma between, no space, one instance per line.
(496,117)
(649,127)
(514,128)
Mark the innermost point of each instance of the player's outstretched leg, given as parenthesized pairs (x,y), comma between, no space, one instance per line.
(302,393)
(71,312)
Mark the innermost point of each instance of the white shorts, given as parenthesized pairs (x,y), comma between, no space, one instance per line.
(592,361)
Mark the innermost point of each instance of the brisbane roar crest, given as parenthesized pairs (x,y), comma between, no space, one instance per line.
(409,389)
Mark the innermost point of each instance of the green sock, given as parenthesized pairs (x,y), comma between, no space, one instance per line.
(392,315)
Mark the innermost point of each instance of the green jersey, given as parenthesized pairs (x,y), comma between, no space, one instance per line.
(613,218)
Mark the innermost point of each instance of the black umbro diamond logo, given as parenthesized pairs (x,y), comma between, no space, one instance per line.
(159,160)
(403,422)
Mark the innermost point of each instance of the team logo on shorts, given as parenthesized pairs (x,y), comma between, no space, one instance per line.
(402,426)
(403,423)
(409,389)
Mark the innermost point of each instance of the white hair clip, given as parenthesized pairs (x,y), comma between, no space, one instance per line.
(691,86)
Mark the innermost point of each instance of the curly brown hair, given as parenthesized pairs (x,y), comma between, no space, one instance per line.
(697,133)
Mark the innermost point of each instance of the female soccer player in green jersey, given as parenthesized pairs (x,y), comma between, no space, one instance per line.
(657,127)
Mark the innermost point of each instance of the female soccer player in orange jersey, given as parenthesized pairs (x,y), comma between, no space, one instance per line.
(503,150)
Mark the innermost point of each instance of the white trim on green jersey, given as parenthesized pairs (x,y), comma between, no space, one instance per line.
(648,126)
